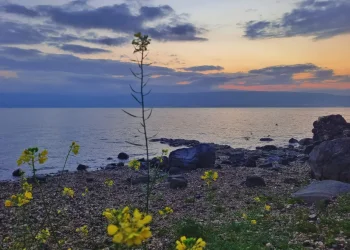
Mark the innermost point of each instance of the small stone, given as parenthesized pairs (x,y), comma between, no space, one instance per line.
(269,245)
(82,167)
(313,217)
(218,166)
(292,140)
(18,172)
(123,156)
(307,243)
(120,164)
(255,181)
(177,181)
(266,139)
(109,158)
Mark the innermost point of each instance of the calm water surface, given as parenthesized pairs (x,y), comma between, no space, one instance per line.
(102,132)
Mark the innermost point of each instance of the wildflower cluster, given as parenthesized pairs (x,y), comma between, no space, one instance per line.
(85,192)
(210,176)
(75,147)
(190,244)
(166,211)
(43,235)
(267,208)
(134,164)
(83,230)
(68,192)
(31,155)
(109,182)
(128,228)
(21,198)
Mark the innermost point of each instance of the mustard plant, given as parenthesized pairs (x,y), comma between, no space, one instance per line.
(190,244)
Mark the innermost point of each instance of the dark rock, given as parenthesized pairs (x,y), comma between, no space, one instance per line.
(109,158)
(266,139)
(308,149)
(292,140)
(89,179)
(331,160)
(306,141)
(255,181)
(290,180)
(330,127)
(142,160)
(17,173)
(200,156)
(120,164)
(138,180)
(111,166)
(162,164)
(218,166)
(123,156)
(177,181)
(322,190)
(82,167)
(177,142)
(302,158)
(263,163)
(251,161)
(237,157)
(175,171)
(226,162)
(267,148)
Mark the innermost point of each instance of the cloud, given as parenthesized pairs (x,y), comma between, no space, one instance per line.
(40,72)
(203,68)
(167,25)
(19,33)
(20,10)
(110,41)
(311,18)
(82,49)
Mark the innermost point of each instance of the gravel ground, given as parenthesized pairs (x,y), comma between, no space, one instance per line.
(229,196)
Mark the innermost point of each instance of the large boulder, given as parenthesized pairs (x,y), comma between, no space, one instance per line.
(330,127)
(331,160)
(200,156)
(322,190)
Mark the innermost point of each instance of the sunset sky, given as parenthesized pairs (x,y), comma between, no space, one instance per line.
(84,46)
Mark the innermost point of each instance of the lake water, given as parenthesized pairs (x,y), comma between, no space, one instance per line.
(102,132)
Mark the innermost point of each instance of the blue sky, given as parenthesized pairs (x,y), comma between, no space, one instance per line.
(84,46)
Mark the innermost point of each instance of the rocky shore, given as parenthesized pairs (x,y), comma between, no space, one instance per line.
(268,171)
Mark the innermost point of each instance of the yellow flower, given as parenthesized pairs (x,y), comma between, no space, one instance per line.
(84,230)
(8,203)
(166,211)
(165,151)
(267,208)
(28,195)
(68,192)
(75,148)
(253,222)
(190,244)
(244,216)
(43,156)
(109,182)
(43,235)
(257,199)
(59,211)
(134,164)
(128,228)
(210,176)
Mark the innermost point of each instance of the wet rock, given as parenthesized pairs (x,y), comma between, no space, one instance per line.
(109,158)
(226,162)
(175,171)
(120,164)
(41,178)
(82,167)
(177,181)
(330,127)
(111,166)
(123,156)
(18,172)
(162,164)
(177,142)
(322,190)
(331,160)
(308,149)
(264,163)
(200,156)
(266,139)
(237,157)
(251,162)
(255,181)
(267,147)
(292,140)
(306,141)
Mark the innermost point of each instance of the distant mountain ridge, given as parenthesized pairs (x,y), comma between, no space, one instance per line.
(204,99)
